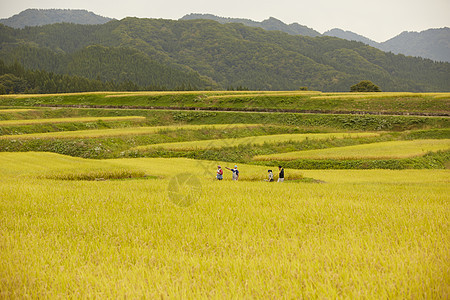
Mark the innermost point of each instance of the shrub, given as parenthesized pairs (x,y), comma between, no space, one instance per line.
(365,86)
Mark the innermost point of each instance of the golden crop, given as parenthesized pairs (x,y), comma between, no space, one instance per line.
(115,228)
(252,140)
(97,133)
(381,150)
(359,234)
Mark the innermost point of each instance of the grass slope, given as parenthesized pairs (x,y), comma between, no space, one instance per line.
(387,103)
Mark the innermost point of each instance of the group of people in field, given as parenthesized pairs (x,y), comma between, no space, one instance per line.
(235,175)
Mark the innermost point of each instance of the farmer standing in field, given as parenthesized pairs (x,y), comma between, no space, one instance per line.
(235,172)
(281,174)
(219,173)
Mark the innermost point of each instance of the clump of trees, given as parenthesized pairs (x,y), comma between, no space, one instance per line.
(365,86)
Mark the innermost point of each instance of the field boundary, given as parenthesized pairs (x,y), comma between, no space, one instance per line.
(262,110)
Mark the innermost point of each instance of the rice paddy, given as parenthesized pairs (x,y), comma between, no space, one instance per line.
(382,150)
(167,228)
(99,133)
(360,234)
(253,140)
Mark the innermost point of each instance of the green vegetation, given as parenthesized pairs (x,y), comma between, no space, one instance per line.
(365,86)
(15,79)
(308,101)
(85,136)
(67,120)
(203,54)
(439,160)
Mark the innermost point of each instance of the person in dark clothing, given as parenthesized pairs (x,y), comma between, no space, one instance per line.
(281,174)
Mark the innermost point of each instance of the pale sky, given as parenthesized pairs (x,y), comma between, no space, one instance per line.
(378,20)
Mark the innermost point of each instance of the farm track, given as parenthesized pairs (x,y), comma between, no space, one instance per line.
(262,110)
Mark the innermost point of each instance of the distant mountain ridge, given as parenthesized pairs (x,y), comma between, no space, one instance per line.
(350,36)
(432,43)
(204,54)
(39,17)
(269,24)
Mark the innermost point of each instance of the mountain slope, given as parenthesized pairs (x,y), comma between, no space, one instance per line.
(350,36)
(229,54)
(39,17)
(432,43)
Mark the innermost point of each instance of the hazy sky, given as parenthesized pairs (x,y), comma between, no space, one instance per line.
(378,20)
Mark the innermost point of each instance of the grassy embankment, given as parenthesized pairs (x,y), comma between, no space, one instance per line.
(101,139)
(394,103)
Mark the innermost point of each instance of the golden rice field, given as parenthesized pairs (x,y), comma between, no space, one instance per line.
(15,110)
(167,228)
(233,94)
(381,150)
(252,140)
(377,234)
(98,133)
(68,120)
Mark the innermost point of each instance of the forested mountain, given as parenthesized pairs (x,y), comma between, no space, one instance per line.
(269,24)
(38,17)
(433,43)
(206,54)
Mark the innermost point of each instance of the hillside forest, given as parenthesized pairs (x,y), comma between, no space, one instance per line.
(157,54)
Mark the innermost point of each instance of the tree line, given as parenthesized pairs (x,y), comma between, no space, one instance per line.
(15,79)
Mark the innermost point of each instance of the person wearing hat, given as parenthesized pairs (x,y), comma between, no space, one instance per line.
(270,175)
(235,172)
(281,174)
(219,173)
